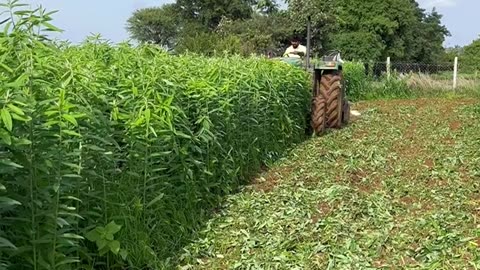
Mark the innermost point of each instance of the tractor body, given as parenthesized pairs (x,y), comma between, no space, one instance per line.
(330,107)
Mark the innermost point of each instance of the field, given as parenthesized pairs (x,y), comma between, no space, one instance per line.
(397,189)
(129,157)
(114,156)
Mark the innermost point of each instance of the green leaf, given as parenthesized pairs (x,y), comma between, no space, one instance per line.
(5,243)
(2,187)
(139,121)
(15,109)
(109,236)
(65,213)
(70,175)
(51,27)
(62,222)
(104,250)
(8,202)
(102,243)
(112,227)
(123,253)
(158,198)
(71,133)
(10,163)
(7,119)
(147,115)
(9,70)
(20,118)
(72,236)
(92,235)
(182,135)
(19,142)
(50,113)
(67,261)
(72,165)
(114,246)
(5,136)
(100,230)
(70,119)
(56,187)
(72,197)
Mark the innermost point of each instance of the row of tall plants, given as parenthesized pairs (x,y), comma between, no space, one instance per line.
(112,156)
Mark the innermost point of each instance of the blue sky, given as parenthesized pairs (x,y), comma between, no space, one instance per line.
(80,18)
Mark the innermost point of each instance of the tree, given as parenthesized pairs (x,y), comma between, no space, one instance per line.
(261,34)
(267,7)
(179,22)
(156,25)
(362,30)
(427,44)
(322,20)
(396,28)
(210,12)
(470,58)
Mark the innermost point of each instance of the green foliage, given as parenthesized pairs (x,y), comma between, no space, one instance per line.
(362,87)
(390,88)
(470,58)
(260,34)
(374,30)
(427,43)
(98,134)
(322,18)
(209,13)
(397,189)
(104,238)
(362,30)
(358,83)
(358,45)
(157,25)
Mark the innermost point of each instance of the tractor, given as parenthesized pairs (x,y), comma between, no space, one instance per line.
(330,107)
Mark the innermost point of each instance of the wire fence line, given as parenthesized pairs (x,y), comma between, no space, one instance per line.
(451,75)
(454,73)
(378,69)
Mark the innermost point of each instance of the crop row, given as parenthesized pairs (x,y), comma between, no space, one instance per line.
(115,155)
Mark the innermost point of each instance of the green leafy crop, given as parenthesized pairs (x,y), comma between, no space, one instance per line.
(127,136)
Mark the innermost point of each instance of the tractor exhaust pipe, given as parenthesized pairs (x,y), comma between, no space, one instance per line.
(309,37)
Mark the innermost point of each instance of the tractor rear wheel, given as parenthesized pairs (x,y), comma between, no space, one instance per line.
(331,89)
(318,120)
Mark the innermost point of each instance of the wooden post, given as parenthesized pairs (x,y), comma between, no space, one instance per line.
(455,71)
(388,67)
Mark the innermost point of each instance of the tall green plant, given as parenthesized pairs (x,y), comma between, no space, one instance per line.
(114,156)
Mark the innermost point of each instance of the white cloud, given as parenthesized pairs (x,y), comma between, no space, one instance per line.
(437,3)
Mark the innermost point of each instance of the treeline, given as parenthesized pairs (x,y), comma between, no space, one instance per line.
(362,30)
(469,56)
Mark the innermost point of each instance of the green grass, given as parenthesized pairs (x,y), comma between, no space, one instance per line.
(398,188)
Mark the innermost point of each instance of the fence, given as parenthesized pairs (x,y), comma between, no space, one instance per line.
(445,73)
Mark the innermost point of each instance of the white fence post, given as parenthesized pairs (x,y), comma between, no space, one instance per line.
(388,67)
(455,71)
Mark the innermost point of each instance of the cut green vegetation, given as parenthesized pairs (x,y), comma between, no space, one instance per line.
(397,189)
